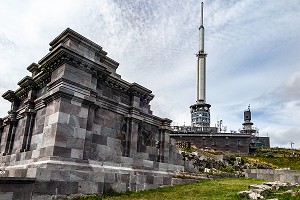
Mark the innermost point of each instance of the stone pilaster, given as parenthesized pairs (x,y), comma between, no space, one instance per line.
(134,120)
(125,130)
(133,136)
(165,129)
(88,136)
(1,128)
(12,120)
(30,117)
(30,111)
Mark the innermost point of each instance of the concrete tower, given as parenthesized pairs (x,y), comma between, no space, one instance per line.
(200,113)
(247,125)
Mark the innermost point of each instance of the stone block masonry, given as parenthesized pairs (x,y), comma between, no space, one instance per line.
(76,127)
(282,175)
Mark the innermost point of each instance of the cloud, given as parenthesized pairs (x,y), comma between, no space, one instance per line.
(279,111)
(253,52)
(5,43)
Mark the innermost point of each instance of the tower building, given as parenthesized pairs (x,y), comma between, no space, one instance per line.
(200,133)
(247,125)
(200,111)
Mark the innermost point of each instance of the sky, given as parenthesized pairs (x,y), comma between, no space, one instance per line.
(253,49)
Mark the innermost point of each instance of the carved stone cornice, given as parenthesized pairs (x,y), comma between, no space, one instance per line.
(27,83)
(10,96)
(142,92)
(39,103)
(62,80)
(64,54)
(134,118)
(21,93)
(71,34)
(55,95)
(117,84)
(34,69)
(71,38)
(65,93)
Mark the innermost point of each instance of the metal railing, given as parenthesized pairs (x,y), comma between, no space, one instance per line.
(191,129)
(210,130)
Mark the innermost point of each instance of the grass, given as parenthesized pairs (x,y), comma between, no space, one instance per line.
(283,162)
(278,152)
(206,189)
(215,189)
(277,162)
(276,158)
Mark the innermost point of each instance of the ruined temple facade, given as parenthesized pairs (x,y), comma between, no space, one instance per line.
(76,127)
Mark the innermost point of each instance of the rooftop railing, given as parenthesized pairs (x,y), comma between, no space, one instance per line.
(210,130)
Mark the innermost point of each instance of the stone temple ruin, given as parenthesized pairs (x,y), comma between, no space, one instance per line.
(76,127)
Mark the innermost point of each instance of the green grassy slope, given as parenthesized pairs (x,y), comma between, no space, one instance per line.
(281,162)
(206,189)
(277,158)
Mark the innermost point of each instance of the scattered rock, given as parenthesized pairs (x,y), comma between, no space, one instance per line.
(254,195)
(260,187)
(244,194)
(258,191)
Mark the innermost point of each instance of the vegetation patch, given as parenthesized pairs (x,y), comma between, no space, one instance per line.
(276,158)
(263,192)
(205,189)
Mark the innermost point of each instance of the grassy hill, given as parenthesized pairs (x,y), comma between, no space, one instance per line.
(277,162)
(215,189)
(207,189)
(277,158)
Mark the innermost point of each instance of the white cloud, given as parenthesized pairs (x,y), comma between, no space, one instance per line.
(253,48)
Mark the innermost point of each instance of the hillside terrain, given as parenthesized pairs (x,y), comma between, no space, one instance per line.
(277,158)
(207,189)
(263,158)
(215,164)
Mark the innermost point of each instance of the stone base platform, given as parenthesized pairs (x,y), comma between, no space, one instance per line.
(47,178)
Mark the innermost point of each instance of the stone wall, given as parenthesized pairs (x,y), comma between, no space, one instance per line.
(76,127)
(230,143)
(282,175)
(226,142)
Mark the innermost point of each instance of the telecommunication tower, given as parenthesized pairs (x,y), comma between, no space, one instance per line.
(200,112)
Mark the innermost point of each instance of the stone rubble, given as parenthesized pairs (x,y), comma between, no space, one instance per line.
(257,191)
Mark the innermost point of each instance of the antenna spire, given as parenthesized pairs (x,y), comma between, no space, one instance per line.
(201,64)
(201,14)
(201,32)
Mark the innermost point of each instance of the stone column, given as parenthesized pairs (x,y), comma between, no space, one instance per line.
(12,120)
(165,140)
(126,140)
(88,138)
(10,136)
(30,117)
(134,121)
(158,146)
(133,136)
(1,128)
